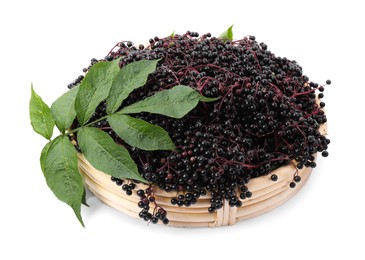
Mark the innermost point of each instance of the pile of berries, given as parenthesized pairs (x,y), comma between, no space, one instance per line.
(267,116)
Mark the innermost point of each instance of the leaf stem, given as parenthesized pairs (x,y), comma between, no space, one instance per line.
(88,124)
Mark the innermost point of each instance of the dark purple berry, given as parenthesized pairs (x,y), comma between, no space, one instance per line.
(154,220)
(274,177)
(297,178)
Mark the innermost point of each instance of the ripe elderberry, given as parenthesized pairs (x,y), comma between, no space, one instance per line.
(274,177)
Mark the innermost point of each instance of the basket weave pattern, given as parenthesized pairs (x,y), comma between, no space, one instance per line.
(266,195)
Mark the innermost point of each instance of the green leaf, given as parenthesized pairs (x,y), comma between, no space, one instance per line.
(227,35)
(44,154)
(131,77)
(140,134)
(207,99)
(94,88)
(83,200)
(63,109)
(175,102)
(40,116)
(62,175)
(105,155)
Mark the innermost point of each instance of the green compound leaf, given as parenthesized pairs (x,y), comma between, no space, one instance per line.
(59,160)
(95,88)
(175,102)
(63,109)
(227,35)
(105,155)
(40,116)
(130,77)
(140,134)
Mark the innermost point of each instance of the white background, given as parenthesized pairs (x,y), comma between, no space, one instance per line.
(48,43)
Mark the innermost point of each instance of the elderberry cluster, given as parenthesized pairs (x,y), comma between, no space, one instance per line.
(146,198)
(267,116)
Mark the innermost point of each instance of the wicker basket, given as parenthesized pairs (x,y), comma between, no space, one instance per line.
(266,195)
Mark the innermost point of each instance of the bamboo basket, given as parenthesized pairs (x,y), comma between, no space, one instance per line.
(266,195)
